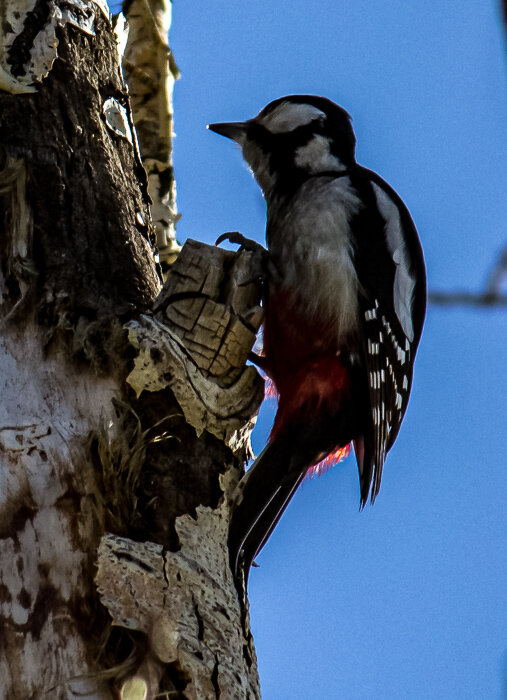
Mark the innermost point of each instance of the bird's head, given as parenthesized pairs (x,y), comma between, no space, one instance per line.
(292,138)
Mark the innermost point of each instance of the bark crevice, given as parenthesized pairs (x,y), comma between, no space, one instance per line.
(126,409)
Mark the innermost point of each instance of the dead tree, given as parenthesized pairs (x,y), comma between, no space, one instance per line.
(125,403)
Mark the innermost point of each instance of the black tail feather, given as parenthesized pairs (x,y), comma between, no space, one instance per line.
(260,500)
(267,488)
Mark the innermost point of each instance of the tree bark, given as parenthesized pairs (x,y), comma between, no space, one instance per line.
(125,407)
(151,70)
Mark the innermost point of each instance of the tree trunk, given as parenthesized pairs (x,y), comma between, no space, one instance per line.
(125,406)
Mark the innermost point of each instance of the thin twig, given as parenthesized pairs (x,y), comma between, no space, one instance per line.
(492,295)
(467,299)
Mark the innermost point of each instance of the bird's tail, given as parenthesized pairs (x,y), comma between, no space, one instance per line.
(312,420)
(260,500)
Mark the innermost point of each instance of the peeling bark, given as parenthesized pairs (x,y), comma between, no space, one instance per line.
(205,324)
(186,604)
(125,408)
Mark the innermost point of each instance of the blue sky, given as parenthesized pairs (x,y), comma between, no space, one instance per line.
(407,599)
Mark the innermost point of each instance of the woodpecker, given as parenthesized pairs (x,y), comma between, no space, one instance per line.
(344,308)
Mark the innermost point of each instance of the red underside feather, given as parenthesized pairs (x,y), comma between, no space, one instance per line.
(333,458)
(305,367)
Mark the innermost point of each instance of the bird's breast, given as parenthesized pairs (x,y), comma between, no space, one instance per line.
(312,250)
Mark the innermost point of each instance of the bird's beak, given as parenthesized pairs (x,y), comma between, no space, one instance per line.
(232,130)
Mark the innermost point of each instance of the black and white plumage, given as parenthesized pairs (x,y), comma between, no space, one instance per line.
(344,308)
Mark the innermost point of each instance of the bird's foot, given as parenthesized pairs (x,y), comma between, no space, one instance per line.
(260,256)
(260,361)
(244,243)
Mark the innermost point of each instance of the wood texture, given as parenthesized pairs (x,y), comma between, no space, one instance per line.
(92,241)
(83,455)
(186,604)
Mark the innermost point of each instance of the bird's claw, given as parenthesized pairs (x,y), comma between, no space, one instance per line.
(259,260)
(259,360)
(239,239)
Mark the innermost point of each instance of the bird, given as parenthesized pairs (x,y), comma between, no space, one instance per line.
(344,307)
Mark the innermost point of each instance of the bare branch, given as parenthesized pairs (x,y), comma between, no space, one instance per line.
(492,295)
(467,299)
(498,274)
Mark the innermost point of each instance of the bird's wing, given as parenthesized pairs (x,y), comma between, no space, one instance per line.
(393,297)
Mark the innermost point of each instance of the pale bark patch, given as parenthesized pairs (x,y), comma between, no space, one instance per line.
(47,408)
(185,602)
(42,45)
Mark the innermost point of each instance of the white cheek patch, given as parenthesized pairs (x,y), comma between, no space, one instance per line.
(316,157)
(404,280)
(289,116)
